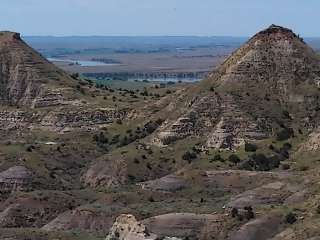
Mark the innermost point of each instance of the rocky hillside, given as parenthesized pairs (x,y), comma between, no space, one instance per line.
(26,78)
(269,84)
(234,157)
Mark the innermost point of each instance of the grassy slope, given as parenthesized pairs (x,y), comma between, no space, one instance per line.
(46,159)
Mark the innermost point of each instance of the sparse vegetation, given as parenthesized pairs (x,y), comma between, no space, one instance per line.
(102,148)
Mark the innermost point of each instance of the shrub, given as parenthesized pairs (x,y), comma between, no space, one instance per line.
(131,178)
(145,92)
(286,114)
(247,165)
(284,154)
(240,217)
(287,146)
(136,161)
(250,147)
(318,209)
(75,76)
(217,157)
(291,218)
(159,121)
(274,162)
(234,159)
(124,141)
(249,214)
(30,148)
(150,127)
(101,138)
(262,163)
(79,88)
(151,199)
(234,212)
(303,168)
(149,166)
(285,134)
(115,139)
(189,156)
(285,166)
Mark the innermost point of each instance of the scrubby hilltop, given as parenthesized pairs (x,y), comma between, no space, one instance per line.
(269,84)
(26,78)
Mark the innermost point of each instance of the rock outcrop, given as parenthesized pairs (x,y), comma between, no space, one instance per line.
(127,227)
(16,178)
(18,119)
(106,174)
(187,225)
(312,143)
(82,219)
(63,119)
(31,210)
(238,181)
(262,228)
(169,183)
(270,194)
(26,78)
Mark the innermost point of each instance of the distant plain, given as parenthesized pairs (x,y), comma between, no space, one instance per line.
(140,57)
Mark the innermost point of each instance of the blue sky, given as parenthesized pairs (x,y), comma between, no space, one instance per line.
(157,17)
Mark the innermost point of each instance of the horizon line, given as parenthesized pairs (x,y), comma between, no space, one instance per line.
(150,36)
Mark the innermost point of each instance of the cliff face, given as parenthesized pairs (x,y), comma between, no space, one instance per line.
(26,78)
(271,82)
(127,227)
(16,178)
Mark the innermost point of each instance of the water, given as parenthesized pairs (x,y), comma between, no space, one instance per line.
(82,63)
(166,80)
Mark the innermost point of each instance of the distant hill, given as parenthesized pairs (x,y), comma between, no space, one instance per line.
(270,83)
(26,77)
(93,42)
